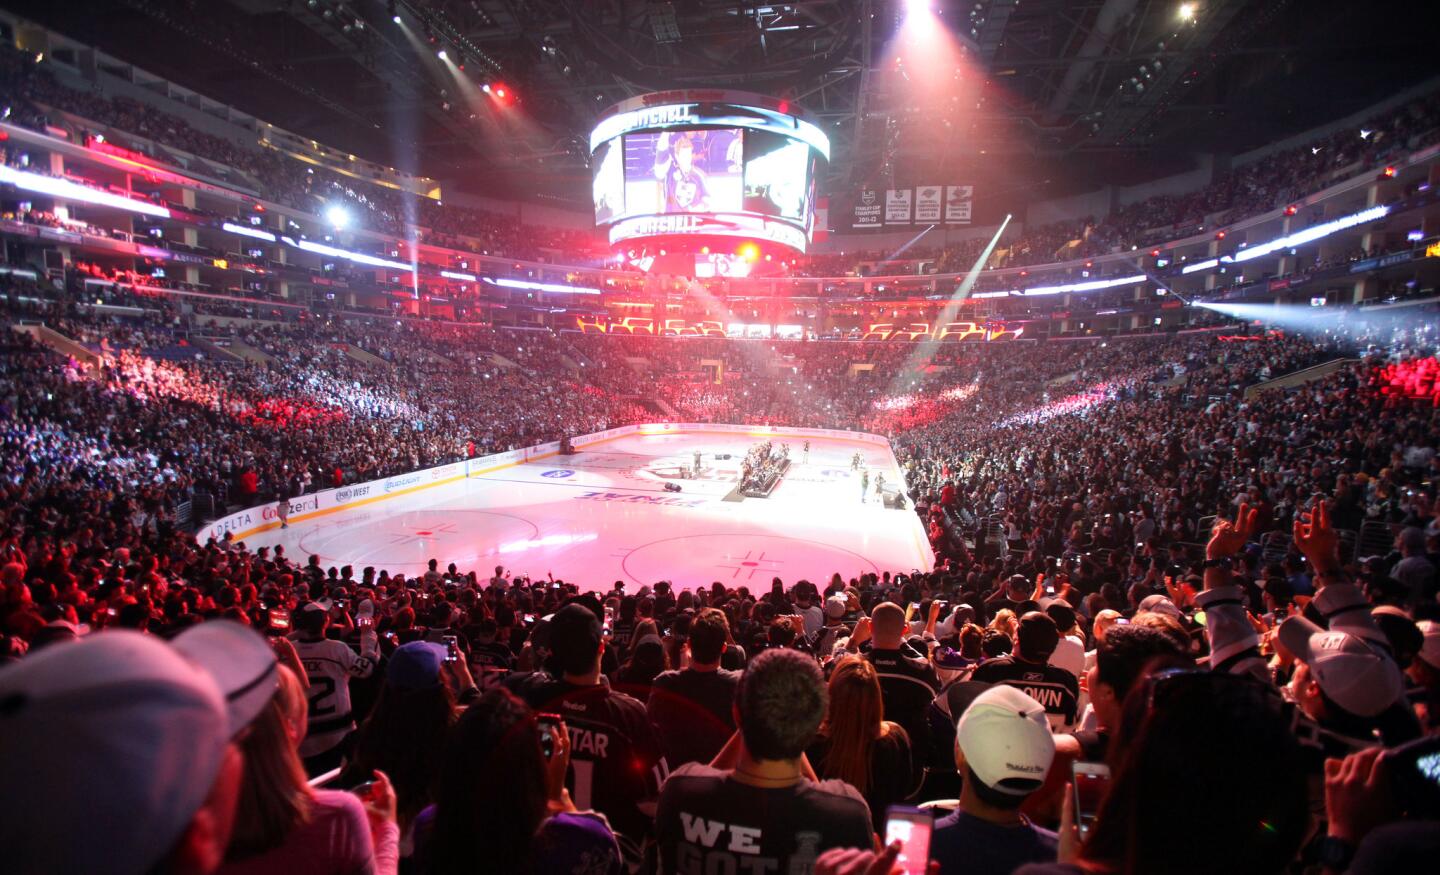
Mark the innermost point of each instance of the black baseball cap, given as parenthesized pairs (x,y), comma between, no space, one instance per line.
(1037,636)
(1062,614)
(574,635)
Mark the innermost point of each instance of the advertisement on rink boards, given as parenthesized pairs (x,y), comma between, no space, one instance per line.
(265,516)
(253,520)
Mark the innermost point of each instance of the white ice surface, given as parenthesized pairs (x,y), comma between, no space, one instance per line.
(602,516)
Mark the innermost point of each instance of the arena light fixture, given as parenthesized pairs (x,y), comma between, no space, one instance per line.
(337,216)
(357,257)
(456,275)
(526,285)
(1094,286)
(1200,265)
(246,231)
(73,191)
(1313,233)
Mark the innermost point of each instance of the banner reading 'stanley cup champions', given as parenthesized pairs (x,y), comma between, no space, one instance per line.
(921,205)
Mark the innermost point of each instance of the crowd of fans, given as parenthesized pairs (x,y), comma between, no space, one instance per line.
(1085,606)
(1221,595)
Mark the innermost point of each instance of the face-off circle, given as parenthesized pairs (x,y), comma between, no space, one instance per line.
(407,541)
(741,559)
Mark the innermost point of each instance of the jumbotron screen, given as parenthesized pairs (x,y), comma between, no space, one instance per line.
(701,164)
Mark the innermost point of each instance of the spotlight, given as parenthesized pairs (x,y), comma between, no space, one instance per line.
(485,88)
(337,216)
(395,18)
(1187,11)
(441,55)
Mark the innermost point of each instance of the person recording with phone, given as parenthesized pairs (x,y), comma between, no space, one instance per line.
(423,693)
(618,764)
(330,664)
(283,824)
(501,804)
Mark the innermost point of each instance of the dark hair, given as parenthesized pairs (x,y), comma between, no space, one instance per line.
(780,633)
(490,799)
(575,638)
(708,634)
(780,701)
(972,639)
(1206,747)
(1123,653)
(309,622)
(992,797)
(639,671)
(995,643)
(403,737)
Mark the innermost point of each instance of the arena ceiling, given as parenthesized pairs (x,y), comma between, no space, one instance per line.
(1067,94)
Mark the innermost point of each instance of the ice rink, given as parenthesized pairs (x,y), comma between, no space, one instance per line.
(603,515)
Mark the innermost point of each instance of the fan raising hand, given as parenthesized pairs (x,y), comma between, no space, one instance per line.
(1315,537)
(1227,538)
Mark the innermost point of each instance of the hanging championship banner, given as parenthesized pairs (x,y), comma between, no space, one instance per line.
(867,209)
(958,200)
(897,206)
(927,204)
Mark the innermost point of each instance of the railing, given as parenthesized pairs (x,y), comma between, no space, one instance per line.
(1299,378)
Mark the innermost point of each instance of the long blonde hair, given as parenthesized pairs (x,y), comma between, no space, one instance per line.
(1006,622)
(855,720)
(275,797)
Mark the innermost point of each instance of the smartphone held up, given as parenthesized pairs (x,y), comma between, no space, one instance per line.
(911,827)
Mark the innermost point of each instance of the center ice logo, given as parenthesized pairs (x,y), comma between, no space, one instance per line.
(557,474)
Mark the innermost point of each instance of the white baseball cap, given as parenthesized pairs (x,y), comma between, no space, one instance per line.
(1006,740)
(1430,650)
(110,745)
(1159,604)
(1354,675)
(241,662)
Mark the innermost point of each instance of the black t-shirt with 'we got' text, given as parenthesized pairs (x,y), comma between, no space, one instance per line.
(709,822)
